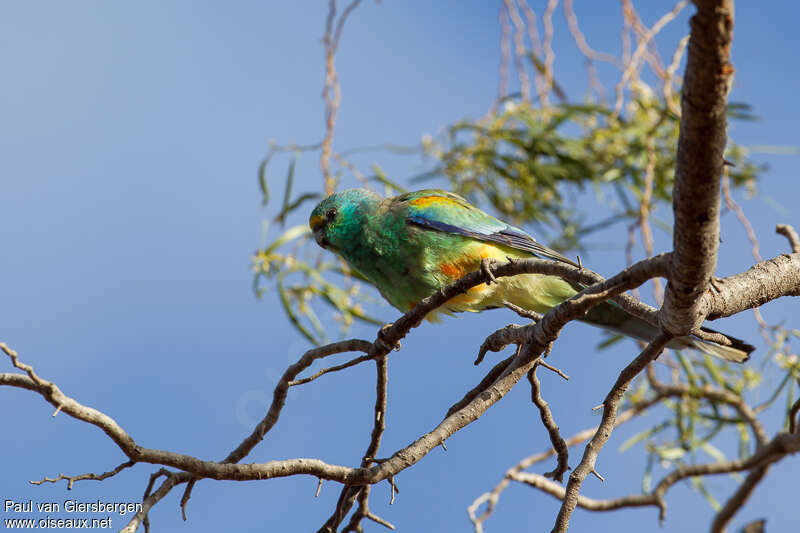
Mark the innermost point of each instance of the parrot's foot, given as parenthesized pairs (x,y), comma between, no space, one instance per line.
(486,267)
(383,343)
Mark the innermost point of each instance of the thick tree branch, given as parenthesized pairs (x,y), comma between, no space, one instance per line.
(696,195)
(760,284)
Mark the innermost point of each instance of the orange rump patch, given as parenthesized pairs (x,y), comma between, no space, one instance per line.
(452,270)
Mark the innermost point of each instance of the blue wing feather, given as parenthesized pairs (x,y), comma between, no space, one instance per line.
(444,211)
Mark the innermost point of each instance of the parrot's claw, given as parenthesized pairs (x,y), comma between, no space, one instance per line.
(381,341)
(486,268)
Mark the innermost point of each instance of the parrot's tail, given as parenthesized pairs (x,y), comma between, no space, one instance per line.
(737,352)
(610,316)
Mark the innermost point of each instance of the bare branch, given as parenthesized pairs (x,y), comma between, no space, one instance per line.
(505,53)
(580,39)
(794,415)
(716,394)
(633,64)
(738,499)
(760,284)
(669,97)
(150,499)
(731,204)
(611,403)
(781,445)
(497,341)
(550,425)
(187,494)
(487,380)
(788,231)
(96,477)
(336,368)
(582,436)
(538,52)
(331,92)
(524,313)
(558,491)
(519,49)
(696,195)
(549,56)
(551,368)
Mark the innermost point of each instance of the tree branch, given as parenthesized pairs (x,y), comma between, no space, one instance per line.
(96,477)
(760,284)
(788,231)
(582,436)
(696,195)
(738,499)
(554,489)
(559,445)
(587,464)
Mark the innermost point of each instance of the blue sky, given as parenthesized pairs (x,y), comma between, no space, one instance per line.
(130,136)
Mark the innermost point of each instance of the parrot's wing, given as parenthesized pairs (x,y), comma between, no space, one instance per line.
(450,213)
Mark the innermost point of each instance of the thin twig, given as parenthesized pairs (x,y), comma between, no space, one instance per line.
(505,53)
(669,95)
(633,64)
(96,477)
(519,49)
(739,498)
(493,496)
(187,494)
(331,92)
(794,415)
(551,368)
(549,55)
(559,445)
(348,364)
(788,231)
(587,464)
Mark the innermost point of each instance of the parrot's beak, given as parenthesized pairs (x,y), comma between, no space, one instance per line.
(319,236)
(317,224)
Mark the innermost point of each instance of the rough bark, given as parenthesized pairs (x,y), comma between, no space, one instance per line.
(696,196)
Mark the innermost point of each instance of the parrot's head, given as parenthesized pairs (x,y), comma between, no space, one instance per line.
(338,219)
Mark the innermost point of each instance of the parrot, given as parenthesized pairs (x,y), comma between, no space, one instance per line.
(411,245)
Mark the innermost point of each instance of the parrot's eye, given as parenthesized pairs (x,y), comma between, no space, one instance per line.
(331,214)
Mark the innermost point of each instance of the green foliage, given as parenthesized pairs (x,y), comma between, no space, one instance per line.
(686,425)
(528,162)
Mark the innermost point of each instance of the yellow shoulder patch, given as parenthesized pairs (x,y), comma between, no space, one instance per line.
(434,199)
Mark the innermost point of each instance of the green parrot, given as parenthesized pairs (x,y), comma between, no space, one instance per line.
(411,245)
